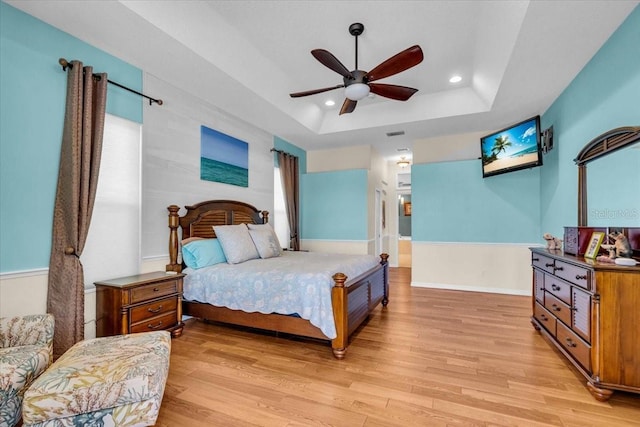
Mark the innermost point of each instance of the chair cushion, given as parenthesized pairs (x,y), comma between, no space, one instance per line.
(19,366)
(117,380)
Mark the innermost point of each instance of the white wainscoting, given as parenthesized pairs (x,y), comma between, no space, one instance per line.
(480,267)
(25,292)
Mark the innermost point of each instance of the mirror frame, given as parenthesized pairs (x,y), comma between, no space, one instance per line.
(608,142)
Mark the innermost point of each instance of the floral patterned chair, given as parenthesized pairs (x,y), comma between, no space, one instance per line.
(111,381)
(26,350)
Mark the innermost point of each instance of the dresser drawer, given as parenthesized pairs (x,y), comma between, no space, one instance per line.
(153,290)
(156,323)
(559,288)
(545,318)
(152,309)
(558,308)
(574,274)
(571,342)
(542,262)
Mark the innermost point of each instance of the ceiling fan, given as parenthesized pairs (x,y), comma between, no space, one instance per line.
(357,83)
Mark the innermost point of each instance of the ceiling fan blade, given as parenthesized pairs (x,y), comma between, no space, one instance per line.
(397,63)
(348,106)
(313,92)
(327,59)
(400,93)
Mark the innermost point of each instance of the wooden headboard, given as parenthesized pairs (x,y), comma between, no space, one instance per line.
(200,219)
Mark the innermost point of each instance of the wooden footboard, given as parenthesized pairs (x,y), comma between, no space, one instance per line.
(354,300)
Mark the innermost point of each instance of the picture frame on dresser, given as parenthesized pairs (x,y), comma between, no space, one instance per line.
(597,237)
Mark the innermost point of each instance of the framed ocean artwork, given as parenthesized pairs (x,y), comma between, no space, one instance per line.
(223,158)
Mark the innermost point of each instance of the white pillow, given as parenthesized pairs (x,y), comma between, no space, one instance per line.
(236,243)
(266,243)
(268,228)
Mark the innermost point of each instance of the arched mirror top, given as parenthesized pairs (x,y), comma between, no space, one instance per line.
(600,146)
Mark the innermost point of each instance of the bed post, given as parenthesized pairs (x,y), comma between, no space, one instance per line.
(340,304)
(384,261)
(173,240)
(265,217)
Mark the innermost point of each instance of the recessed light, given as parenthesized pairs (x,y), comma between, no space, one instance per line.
(329,103)
(455,79)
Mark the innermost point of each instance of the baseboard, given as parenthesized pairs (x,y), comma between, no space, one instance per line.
(450,287)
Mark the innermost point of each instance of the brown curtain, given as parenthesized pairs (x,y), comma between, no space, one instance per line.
(290,184)
(77,182)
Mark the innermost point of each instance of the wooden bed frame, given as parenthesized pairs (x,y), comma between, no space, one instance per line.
(353,299)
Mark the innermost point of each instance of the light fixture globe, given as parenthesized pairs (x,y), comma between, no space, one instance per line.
(403,162)
(356,91)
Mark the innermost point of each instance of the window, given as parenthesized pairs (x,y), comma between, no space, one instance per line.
(113,243)
(279,219)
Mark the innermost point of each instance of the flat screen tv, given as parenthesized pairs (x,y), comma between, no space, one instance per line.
(513,148)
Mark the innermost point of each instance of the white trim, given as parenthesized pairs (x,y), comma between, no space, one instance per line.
(155,257)
(24,273)
(337,240)
(472,288)
(424,242)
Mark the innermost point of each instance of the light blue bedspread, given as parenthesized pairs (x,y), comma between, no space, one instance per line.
(294,283)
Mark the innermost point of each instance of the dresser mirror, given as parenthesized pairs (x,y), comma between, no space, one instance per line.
(614,189)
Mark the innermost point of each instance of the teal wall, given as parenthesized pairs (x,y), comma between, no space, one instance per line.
(451,202)
(603,96)
(33,88)
(287,147)
(334,205)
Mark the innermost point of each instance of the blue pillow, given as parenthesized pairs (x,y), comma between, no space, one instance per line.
(202,253)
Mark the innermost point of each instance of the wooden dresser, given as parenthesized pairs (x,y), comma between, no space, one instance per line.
(139,303)
(591,312)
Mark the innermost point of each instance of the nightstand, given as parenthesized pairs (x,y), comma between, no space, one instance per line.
(139,303)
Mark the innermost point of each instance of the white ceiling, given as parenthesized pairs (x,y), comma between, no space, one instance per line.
(245,57)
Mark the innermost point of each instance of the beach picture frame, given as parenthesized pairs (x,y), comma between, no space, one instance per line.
(223,158)
(597,237)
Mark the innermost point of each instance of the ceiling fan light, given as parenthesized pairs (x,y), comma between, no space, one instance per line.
(356,91)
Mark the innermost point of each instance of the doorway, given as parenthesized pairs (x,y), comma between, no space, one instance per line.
(404,229)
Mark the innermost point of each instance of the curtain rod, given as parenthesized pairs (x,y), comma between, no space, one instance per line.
(64,63)
(284,152)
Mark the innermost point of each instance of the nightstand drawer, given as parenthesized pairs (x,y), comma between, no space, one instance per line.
(152,309)
(155,324)
(153,290)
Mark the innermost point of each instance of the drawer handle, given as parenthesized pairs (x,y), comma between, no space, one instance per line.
(555,287)
(579,277)
(549,265)
(156,326)
(156,289)
(569,342)
(157,310)
(558,268)
(544,318)
(536,259)
(556,307)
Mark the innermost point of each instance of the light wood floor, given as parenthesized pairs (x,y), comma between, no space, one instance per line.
(431,358)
